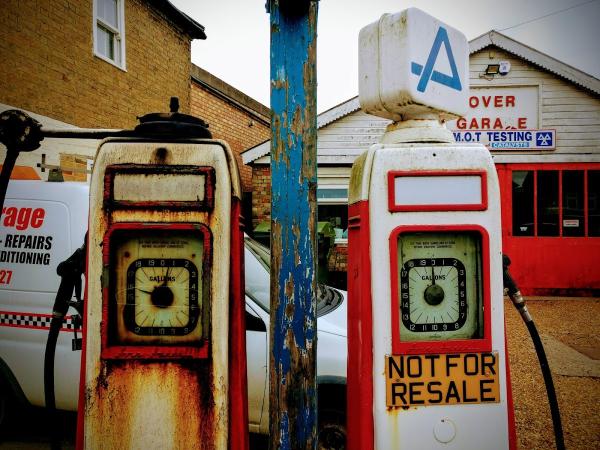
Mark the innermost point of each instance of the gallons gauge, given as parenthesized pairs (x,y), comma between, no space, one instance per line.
(159,282)
(440,286)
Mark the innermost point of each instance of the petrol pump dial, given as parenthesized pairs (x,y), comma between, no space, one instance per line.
(440,286)
(162,296)
(159,288)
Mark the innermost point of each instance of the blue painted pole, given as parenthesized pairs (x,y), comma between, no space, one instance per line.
(293,338)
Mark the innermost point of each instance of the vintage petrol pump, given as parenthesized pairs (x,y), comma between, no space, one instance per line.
(164,362)
(427,363)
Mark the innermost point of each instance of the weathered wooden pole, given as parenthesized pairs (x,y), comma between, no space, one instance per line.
(293,334)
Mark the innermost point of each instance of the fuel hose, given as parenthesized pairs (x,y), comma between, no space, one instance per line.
(70,272)
(519,302)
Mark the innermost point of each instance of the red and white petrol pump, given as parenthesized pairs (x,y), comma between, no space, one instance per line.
(427,362)
(164,362)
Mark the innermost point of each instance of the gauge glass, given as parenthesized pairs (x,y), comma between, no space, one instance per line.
(440,287)
(159,280)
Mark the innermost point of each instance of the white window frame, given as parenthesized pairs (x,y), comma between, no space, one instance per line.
(118,33)
(332,200)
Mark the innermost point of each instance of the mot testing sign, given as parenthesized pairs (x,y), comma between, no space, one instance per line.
(510,139)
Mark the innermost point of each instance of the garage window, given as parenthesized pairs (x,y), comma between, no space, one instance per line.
(109,31)
(561,202)
(332,205)
(522,198)
(593,201)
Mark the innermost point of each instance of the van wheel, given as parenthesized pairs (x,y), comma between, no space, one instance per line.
(332,430)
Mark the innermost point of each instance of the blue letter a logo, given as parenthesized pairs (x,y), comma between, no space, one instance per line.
(428,73)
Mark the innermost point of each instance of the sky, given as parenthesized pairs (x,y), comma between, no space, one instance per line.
(237,46)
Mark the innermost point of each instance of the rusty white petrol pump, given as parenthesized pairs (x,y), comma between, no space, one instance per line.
(427,363)
(164,363)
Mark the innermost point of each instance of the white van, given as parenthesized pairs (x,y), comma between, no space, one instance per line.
(43,223)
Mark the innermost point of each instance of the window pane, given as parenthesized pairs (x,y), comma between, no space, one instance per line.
(106,43)
(257,278)
(116,43)
(332,193)
(107,11)
(547,202)
(594,202)
(522,203)
(572,203)
(337,215)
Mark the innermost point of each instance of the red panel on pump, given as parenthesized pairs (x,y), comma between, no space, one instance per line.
(81,400)
(431,346)
(238,384)
(141,316)
(360,331)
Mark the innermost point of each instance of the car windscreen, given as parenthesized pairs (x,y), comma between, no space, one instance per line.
(257,273)
(257,263)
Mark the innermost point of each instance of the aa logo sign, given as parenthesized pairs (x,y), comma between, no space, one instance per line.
(428,73)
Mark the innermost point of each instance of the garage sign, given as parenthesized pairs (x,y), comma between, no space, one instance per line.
(509,139)
(450,379)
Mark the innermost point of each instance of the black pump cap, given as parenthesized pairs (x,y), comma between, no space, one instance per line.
(173,124)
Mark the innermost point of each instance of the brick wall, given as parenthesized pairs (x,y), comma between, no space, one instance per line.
(337,260)
(230,120)
(261,194)
(48,64)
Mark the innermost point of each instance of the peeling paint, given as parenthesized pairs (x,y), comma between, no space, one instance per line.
(289,293)
(293,239)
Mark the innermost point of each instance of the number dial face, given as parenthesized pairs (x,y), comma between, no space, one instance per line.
(162,297)
(440,286)
(159,288)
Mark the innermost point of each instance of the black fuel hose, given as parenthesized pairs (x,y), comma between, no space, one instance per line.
(7,167)
(70,272)
(519,302)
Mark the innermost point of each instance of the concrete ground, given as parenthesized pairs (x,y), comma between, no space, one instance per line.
(569,329)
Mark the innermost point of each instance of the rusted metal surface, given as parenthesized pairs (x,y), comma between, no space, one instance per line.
(142,405)
(292,395)
(171,403)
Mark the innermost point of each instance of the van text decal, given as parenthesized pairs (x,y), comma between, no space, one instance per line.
(16,245)
(23,218)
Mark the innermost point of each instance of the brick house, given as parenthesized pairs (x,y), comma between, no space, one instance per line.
(95,63)
(549,180)
(232,116)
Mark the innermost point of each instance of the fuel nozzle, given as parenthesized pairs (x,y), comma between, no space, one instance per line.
(510,286)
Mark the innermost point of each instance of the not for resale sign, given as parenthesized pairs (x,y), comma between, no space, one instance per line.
(447,379)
